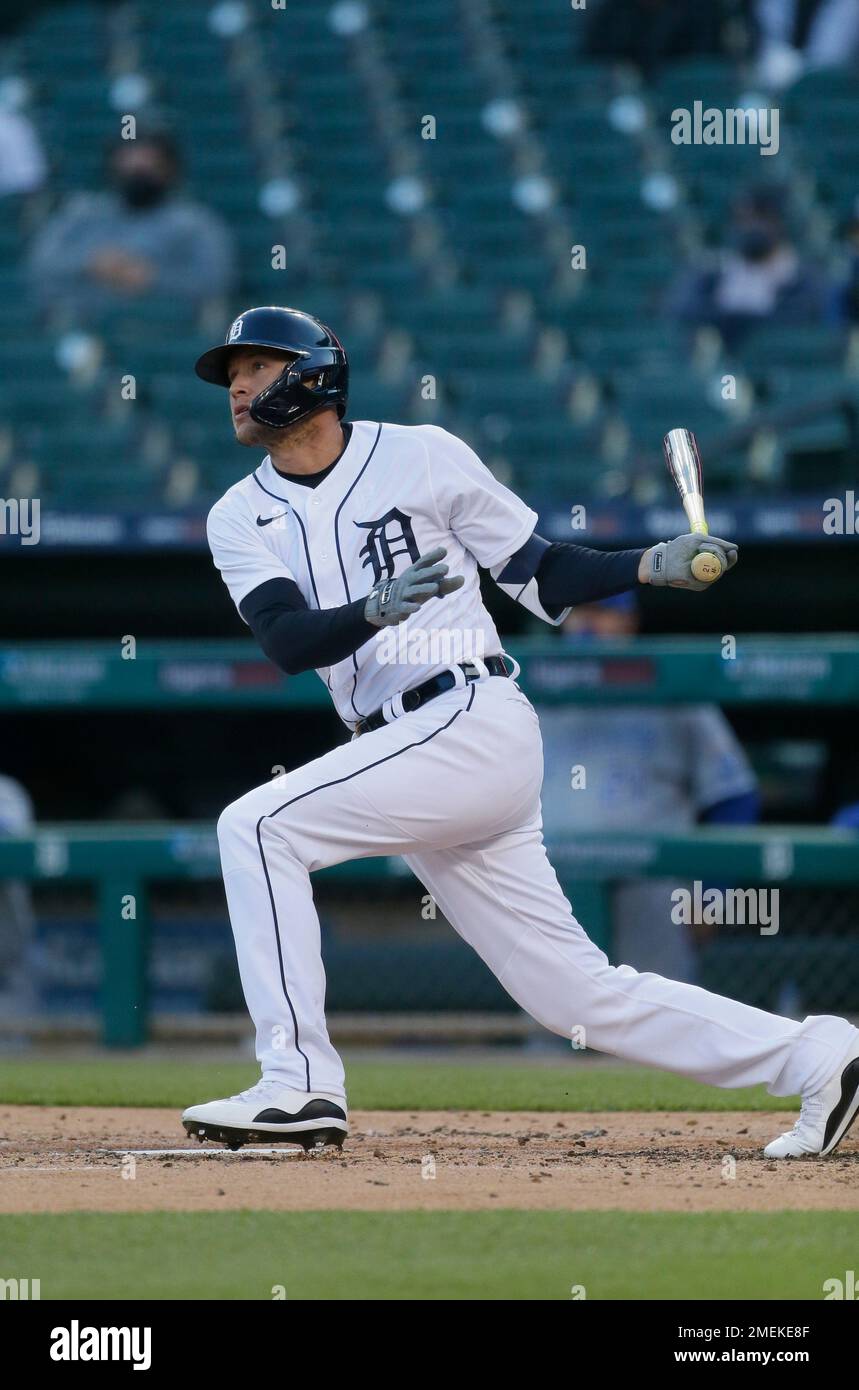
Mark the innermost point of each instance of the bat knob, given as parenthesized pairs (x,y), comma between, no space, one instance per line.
(706,566)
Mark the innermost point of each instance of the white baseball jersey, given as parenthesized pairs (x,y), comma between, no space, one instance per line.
(397,492)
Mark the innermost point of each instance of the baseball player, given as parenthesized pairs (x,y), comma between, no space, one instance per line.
(353,550)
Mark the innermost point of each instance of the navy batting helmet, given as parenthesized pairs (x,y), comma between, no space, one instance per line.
(316,375)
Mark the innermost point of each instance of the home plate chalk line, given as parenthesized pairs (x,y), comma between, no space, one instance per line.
(200,1153)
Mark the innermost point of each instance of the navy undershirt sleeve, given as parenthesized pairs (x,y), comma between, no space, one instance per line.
(297,638)
(571,574)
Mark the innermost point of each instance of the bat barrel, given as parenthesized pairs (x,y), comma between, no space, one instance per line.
(684,464)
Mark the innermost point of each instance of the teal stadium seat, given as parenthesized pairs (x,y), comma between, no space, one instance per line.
(609,349)
(775,345)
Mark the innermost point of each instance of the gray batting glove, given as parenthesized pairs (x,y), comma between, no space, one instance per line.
(670,562)
(393,600)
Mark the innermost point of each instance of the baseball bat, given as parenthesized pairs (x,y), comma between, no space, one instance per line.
(684,464)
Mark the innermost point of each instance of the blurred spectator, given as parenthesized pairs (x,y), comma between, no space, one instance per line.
(758,276)
(17,986)
(798,35)
(658,768)
(651,32)
(846,293)
(102,250)
(22,163)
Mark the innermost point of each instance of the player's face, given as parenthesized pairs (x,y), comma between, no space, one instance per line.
(250,371)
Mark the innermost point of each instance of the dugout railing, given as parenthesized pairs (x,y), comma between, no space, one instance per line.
(122,862)
(141,674)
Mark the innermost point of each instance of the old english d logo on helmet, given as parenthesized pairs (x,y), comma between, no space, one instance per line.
(316,373)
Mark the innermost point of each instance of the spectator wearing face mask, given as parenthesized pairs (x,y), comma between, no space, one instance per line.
(759,276)
(140,237)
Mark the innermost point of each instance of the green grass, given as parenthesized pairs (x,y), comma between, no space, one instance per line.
(384,1085)
(430,1255)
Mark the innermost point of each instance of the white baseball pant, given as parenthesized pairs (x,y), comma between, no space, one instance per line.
(454,788)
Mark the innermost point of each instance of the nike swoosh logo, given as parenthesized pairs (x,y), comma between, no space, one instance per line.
(267,520)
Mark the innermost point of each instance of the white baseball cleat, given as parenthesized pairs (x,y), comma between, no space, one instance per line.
(273,1113)
(825,1117)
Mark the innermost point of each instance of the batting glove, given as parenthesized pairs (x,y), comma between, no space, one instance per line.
(670,562)
(391,601)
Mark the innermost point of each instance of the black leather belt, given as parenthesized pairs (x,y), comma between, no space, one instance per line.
(436,685)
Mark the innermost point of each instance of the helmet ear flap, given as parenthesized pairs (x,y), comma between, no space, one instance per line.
(302,388)
(268,407)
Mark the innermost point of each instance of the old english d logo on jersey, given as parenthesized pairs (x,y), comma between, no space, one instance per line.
(382,549)
(397,490)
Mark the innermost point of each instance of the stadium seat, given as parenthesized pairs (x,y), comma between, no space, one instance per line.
(776,345)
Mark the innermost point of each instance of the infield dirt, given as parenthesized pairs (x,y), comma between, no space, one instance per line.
(71,1159)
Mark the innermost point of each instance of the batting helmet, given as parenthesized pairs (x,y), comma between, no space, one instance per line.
(316,375)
